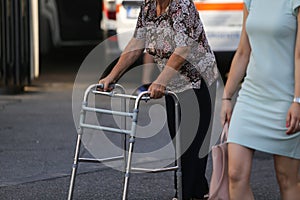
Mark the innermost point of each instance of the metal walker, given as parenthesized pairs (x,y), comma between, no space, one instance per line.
(127,157)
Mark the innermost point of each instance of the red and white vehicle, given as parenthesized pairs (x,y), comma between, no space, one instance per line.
(222,20)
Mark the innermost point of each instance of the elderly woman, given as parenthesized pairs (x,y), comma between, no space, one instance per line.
(172,32)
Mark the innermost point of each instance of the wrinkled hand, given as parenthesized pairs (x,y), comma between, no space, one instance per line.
(293,119)
(226,111)
(106,82)
(156,90)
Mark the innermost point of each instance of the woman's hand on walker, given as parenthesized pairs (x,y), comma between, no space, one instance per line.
(156,90)
(106,82)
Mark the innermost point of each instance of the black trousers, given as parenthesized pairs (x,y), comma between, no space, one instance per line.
(195,112)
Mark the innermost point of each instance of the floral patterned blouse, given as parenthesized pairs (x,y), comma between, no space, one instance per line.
(178,26)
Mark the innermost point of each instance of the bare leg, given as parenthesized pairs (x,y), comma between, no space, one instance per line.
(239,170)
(287,173)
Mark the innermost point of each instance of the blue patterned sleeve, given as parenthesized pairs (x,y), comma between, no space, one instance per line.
(247,3)
(295,6)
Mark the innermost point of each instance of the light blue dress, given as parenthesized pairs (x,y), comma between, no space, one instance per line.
(259,116)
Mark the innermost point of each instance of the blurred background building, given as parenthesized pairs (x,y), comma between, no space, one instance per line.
(31,29)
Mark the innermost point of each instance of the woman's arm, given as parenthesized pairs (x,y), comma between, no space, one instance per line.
(237,71)
(132,51)
(173,65)
(176,60)
(239,63)
(293,116)
(297,60)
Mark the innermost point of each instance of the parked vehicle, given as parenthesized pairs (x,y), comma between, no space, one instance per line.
(222,20)
(69,23)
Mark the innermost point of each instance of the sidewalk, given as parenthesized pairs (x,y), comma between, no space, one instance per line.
(37,145)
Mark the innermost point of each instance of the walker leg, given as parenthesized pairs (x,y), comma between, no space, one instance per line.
(178,151)
(74,168)
(128,167)
(179,183)
(123,137)
(178,174)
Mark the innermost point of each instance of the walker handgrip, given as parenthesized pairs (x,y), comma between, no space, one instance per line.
(101,86)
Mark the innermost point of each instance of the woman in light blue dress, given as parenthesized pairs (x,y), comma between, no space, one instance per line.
(266,116)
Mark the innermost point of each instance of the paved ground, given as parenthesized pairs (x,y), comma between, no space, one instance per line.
(38,136)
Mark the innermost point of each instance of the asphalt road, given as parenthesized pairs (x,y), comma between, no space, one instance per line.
(38,137)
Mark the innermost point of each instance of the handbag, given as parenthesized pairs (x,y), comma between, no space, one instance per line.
(219,183)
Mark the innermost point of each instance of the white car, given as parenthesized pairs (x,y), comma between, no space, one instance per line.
(222,21)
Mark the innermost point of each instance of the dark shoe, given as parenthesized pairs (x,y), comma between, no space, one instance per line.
(204,198)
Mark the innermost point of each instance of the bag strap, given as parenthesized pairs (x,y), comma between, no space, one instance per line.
(224,134)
